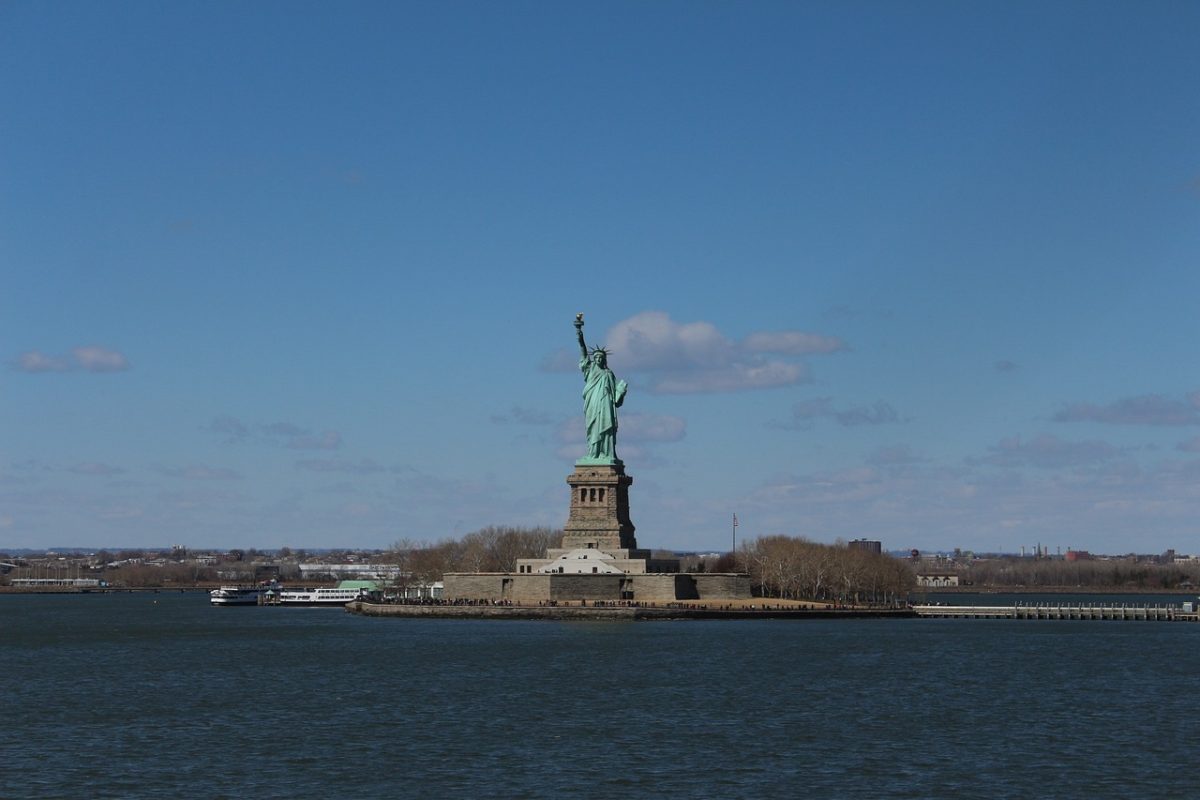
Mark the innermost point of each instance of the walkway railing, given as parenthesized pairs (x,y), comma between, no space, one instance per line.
(1152,613)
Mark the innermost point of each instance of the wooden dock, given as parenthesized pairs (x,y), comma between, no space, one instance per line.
(1155,613)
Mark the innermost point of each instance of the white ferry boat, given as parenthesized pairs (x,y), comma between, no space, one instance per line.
(236,595)
(335,596)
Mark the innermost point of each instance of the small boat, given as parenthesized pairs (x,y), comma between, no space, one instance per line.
(236,595)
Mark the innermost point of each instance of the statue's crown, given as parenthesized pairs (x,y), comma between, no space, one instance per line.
(603,350)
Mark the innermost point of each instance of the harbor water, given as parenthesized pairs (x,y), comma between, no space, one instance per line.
(161,695)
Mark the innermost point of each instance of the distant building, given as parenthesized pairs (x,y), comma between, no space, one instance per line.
(936,579)
(43,583)
(368,571)
(870,545)
(1078,555)
(234,575)
(422,591)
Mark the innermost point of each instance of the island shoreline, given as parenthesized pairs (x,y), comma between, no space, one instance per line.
(612,613)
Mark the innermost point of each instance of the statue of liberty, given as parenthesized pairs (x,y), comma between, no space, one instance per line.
(603,394)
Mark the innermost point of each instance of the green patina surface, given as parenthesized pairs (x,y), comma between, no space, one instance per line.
(603,394)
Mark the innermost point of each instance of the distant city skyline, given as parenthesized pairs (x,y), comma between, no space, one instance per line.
(304,274)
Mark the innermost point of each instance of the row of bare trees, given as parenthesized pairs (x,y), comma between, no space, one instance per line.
(491,549)
(799,569)
(1092,574)
(128,575)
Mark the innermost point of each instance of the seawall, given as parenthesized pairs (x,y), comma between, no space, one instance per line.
(613,613)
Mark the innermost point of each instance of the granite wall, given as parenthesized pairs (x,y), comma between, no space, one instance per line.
(524,588)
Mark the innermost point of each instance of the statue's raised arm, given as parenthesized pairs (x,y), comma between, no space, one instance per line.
(579,335)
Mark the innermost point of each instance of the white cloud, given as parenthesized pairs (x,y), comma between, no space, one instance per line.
(651,340)
(99,359)
(695,357)
(635,427)
(37,361)
(91,358)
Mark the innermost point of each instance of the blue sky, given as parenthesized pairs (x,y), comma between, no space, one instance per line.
(304,273)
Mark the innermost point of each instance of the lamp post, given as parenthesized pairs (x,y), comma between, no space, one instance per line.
(735,527)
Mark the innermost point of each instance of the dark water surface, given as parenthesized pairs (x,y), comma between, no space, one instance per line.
(142,695)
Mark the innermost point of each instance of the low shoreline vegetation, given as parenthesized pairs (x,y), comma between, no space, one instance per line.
(779,567)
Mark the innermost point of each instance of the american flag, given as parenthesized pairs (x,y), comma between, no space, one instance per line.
(735,520)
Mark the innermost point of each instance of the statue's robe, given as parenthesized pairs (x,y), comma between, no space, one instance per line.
(602,395)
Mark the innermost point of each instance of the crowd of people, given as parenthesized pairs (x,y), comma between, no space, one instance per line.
(437,601)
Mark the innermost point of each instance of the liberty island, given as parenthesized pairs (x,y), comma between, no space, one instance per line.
(599,560)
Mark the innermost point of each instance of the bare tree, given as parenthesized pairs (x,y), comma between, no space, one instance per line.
(786,567)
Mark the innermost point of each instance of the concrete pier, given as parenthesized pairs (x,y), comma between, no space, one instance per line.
(1062,611)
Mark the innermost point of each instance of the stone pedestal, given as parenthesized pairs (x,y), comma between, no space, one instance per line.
(598,537)
(599,515)
(599,558)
